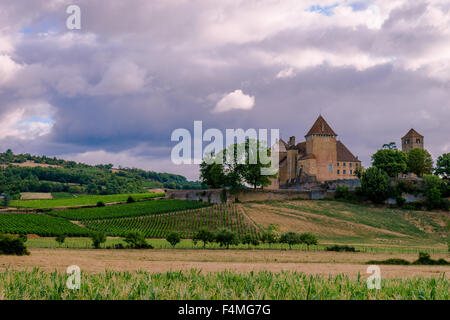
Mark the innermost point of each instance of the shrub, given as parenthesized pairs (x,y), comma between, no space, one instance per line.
(425,259)
(100,204)
(249,239)
(400,201)
(226,238)
(60,238)
(173,238)
(203,235)
(342,193)
(269,237)
(130,199)
(6,199)
(13,245)
(97,239)
(308,238)
(290,238)
(339,248)
(390,261)
(136,240)
(433,198)
(375,184)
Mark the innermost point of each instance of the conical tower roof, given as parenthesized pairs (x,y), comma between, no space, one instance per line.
(321,127)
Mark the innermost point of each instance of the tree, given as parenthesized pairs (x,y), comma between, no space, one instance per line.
(6,199)
(212,173)
(130,199)
(136,240)
(226,238)
(269,237)
(434,188)
(375,184)
(249,239)
(390,161)
(443,166)
(60,238)
(98,238)
(205,236)
(173,238)
(290,238)
(419,161)
(308,238)
(252,171)
(390,145)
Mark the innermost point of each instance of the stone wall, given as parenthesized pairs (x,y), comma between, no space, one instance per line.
(216,195)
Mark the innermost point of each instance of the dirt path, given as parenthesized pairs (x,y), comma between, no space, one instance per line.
(162,260)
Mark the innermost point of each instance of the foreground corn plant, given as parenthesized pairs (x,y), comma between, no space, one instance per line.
(37,284)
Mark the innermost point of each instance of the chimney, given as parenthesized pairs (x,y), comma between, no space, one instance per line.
(291,141)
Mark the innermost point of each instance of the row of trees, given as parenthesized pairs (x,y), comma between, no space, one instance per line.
(226,238)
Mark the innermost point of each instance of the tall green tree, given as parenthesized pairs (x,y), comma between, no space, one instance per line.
(375,184)
(419,161)
(443,166)
(390,161)
(252,171)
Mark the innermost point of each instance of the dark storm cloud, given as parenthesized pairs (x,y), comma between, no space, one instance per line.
(115,90)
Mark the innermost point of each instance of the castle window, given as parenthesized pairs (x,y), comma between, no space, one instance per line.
(351,171)
(338,164)
(344,164)
(406,141)
(330,168)
(350,164)
(343,171)
(417,140)
(339,172)
(356,164)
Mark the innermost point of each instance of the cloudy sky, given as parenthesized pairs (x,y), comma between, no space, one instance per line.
(114,91)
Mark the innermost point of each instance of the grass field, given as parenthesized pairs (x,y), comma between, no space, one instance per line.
(345,223)
(218,285)
(185,222)
(38,224)
(135,209)
(80,200)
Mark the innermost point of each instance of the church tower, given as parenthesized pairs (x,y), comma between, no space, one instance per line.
(412,140)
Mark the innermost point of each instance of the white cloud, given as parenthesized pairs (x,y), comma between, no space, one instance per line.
(286,73)
(8,68)
(235,100)
(122,77)
(27,120)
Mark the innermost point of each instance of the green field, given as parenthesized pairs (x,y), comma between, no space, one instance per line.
(38,224)
(129,209)
(86,243)
(194,285)
(80,200)
(186,222)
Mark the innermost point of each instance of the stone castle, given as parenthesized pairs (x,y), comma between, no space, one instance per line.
(321,157)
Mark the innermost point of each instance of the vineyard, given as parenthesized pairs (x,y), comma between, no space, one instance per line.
(186,222)
(38,224)
(129,209)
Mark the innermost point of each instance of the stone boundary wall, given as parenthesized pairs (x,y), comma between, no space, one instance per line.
(216,195)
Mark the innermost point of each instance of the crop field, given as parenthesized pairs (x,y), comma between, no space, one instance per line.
(186,222)
(129,209)
(38,224)
(193,284)
(80,200)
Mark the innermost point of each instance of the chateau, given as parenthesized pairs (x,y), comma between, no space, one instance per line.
(321,157)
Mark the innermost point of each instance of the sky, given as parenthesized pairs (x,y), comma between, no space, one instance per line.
(115,90)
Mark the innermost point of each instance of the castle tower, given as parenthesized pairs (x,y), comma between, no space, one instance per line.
(412,140)
(321,143)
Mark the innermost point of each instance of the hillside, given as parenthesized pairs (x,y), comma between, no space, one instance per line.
(339,222)
(28,173)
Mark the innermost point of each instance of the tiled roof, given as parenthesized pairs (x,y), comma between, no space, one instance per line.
(321,127)
(343,154)
(412,133)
